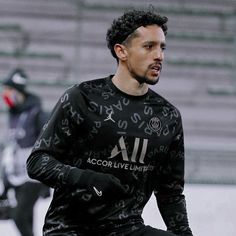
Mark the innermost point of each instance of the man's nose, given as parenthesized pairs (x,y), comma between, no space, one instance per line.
(159,55)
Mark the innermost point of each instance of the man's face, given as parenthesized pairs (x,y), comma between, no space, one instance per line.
(11,96)
(146,53)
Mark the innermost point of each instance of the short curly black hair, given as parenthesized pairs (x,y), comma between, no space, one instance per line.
(125,25)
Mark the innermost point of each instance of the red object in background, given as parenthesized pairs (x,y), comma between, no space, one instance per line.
(8,99)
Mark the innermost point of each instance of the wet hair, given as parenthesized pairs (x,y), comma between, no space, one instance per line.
(125,26)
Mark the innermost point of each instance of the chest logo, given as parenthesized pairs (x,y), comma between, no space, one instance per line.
(136,156)
(155,124)
(110,118)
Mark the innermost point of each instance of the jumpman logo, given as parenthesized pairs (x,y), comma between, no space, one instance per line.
(110,118)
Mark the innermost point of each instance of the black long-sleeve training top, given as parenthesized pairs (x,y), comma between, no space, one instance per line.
(138,139)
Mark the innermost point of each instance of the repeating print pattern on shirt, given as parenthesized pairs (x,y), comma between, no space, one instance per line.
(98,127)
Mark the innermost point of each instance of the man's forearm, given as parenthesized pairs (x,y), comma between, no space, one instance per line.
(174,214)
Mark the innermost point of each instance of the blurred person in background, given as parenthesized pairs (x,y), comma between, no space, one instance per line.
(25,121)
(111,142)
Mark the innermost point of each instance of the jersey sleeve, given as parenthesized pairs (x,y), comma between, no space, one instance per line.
(170,185)
(48,161)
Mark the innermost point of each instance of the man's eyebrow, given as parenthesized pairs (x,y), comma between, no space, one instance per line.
(163,44)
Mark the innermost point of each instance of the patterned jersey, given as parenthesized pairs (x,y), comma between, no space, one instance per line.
(138,139)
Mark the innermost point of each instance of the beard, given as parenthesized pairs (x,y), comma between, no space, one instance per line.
(144,78)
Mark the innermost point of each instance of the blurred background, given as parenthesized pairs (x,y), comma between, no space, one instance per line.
(60,43)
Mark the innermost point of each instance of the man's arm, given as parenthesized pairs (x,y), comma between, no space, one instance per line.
(170,185)
(50,152)
(51,160)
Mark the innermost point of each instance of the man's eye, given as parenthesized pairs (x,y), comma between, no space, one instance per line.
(163,48)
(148,46)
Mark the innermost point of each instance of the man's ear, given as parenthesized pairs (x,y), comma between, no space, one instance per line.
(120,51)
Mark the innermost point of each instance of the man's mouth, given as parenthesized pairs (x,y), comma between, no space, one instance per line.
(156,68)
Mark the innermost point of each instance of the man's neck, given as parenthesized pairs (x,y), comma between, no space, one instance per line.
(128,84)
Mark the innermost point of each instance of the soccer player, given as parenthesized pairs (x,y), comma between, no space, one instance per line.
(112,142)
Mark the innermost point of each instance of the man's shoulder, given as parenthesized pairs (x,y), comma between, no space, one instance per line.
(85,90)
(94,83)
(88,85)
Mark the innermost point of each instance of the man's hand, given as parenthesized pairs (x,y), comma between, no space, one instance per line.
(100,184)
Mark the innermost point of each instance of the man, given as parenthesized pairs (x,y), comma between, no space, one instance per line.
(26,119)
(111,142)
